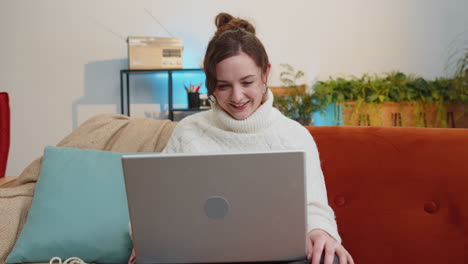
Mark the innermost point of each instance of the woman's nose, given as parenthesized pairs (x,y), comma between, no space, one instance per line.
(237,94)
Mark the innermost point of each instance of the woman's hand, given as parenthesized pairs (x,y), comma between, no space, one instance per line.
(318,241)
(132,258)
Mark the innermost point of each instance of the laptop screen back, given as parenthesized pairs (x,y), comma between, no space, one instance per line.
(223,207)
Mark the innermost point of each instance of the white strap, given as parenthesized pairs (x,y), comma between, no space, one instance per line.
(72,260)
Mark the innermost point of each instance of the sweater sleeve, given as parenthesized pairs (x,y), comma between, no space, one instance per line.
(319,214)
(173,145)
(184,135)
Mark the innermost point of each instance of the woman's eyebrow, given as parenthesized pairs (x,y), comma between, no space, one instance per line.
(247,77)
(243,78)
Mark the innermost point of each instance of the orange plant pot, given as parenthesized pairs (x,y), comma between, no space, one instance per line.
(405,114)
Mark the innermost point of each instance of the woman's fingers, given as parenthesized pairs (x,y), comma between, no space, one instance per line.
(309,248)
(343,256)
(317,249)
(350,258)
(132,258)
(321,243)
(330,250)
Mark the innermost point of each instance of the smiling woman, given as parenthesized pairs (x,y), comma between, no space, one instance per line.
(243,119)
(241,87)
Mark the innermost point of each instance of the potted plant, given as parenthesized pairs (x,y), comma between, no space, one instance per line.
(394,99)
(293,100)
(361,99)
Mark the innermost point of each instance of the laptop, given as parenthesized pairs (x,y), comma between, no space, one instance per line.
(217,207)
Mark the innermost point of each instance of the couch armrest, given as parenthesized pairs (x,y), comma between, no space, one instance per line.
(7,181)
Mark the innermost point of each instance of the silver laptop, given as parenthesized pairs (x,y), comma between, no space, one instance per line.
(215,208)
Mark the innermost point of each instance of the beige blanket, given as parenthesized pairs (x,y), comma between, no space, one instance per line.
(109,132)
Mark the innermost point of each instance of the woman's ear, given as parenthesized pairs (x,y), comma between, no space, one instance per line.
(266,73)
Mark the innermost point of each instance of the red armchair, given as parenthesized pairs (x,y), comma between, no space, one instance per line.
(4,131)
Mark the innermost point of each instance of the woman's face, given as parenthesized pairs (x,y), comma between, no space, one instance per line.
(240,86)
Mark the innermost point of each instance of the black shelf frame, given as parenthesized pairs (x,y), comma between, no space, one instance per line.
(125,90)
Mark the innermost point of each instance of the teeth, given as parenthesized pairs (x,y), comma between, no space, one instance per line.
(239,105)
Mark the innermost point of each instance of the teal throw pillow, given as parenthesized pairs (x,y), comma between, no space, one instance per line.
(79,209)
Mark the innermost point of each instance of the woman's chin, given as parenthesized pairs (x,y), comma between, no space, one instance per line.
(240,115)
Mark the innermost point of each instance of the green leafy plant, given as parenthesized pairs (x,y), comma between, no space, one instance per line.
(460,79)
(299,103)
(368,93)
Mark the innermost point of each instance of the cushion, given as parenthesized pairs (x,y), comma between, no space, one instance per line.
(79,209)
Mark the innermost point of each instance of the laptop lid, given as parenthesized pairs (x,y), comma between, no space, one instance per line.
(212,208)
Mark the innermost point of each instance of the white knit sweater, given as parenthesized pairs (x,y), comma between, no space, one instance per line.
(266,129)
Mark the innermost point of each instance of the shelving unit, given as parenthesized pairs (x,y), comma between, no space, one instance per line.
(125,90)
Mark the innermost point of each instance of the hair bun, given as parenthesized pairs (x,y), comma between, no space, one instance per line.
(225,21)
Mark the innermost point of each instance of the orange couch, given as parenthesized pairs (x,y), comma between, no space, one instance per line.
(400,194)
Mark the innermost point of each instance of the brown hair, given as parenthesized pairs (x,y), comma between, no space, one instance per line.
(234,35)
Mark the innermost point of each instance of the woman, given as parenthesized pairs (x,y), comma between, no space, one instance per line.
(243,118)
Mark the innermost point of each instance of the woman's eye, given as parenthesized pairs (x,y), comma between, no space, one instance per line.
(223,86)
(247,83)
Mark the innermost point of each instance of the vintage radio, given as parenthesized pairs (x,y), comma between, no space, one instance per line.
(154,53)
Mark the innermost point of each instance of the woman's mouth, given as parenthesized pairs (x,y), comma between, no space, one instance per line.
(240,107)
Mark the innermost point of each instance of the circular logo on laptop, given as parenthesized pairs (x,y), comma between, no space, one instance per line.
(216,207)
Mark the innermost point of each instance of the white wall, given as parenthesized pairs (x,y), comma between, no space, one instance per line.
(60,60)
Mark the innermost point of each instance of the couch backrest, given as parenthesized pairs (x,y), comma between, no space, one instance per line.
(400,194)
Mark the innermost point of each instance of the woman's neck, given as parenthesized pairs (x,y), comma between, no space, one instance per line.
(257,121)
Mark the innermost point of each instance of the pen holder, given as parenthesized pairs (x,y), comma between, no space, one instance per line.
(204,101)
(193,100)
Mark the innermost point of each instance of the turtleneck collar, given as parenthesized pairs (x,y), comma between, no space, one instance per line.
(259,120)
